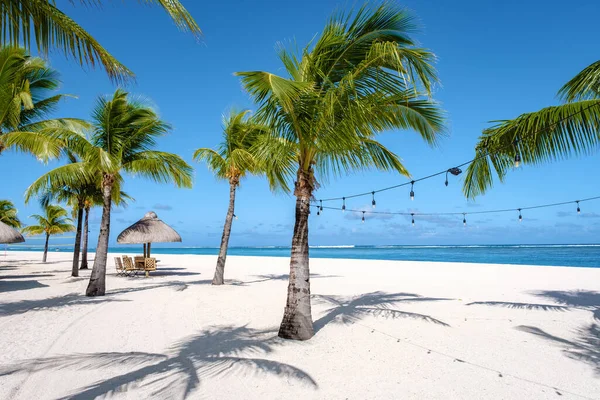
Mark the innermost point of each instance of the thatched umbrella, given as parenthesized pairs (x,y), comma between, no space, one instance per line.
(9,234)
(148,230)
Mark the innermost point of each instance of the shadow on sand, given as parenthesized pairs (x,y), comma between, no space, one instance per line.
(575,299)
(585,347)
(13,286)
(346,310)
(178,373)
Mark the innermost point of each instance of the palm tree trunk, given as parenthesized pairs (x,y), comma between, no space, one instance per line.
(84,250)
(97,285)
(77,246)
(46,248)
(220,270)
(297,318)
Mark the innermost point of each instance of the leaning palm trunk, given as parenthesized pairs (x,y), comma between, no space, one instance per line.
(77,246)
(45,257)
(220,270)
(97,285)
(84,251)
(297,318)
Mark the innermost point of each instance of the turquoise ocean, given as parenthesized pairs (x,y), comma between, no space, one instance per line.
(572,255)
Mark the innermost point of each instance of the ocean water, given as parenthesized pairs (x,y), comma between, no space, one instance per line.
(587,255)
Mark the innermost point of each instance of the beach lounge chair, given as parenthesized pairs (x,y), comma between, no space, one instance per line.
(129,267)
(149,265)
(119,266)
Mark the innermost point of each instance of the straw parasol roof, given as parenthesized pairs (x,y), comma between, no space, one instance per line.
(149,229)
(9,234)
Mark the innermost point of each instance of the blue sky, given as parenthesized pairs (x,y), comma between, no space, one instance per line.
(496,60)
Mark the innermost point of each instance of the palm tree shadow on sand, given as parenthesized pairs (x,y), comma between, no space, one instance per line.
(585,347)
(566,300)
(178,373)
(349,309)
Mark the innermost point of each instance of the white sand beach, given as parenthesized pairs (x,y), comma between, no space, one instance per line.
(402,330)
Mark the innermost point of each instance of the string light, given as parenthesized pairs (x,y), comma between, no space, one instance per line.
(235,216)
(413,218)
(363,217)
(578,209)
(494,211)
(321,208)
(412,192)
(373,202)
(517,155)
(454,171)
(464,219)
(343,204)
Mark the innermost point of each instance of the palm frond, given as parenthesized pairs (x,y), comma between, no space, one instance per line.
(550,134)
(584,86)
(161,167)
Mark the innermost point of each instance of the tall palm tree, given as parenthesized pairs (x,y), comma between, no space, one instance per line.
(8,214)
(94,199)
(362,76)
(124,133)
(552,133)
(27,97)
(53,222)
(232,161)
(42,23)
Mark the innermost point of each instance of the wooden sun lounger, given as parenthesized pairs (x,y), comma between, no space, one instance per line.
(129,266)
(119,266)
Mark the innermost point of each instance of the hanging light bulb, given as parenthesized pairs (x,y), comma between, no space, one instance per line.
(412,192)
(517,160)
(373,202)
(446,183)
(464,219)
(578,209)
(318,211)
(520,216)
(413,218)
(235,216)
(363,218)
(343,204)
(321,207)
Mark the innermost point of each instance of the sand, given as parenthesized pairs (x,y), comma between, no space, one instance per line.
(401,330)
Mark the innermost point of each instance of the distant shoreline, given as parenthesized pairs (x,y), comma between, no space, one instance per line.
(556,255)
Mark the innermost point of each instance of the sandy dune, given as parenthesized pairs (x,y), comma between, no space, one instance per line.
(402,330)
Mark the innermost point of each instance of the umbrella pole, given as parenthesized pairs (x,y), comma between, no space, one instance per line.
(144,250)
(149,245)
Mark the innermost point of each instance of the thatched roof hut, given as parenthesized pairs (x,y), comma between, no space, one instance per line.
(148,230)
(9,234)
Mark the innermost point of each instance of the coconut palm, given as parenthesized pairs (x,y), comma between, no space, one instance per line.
(53,222)
(533,138)
(362,76)
(76,197)
(232,161)
(42,23)
(124,133)
(8,214)
(27,97)
(93,200)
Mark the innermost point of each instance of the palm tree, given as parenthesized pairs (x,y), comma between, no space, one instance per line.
(53,222)
(94,199)
(231,162)
(552,133)
(41,22)
(124,133)
(26,99)
(76,197)
(8,214)
(362,76)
